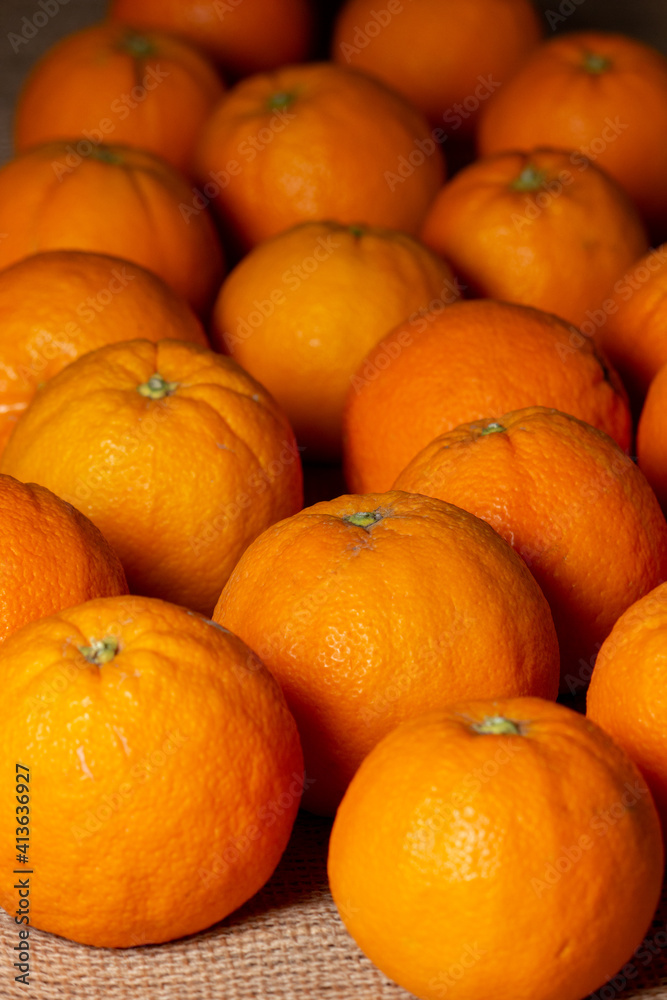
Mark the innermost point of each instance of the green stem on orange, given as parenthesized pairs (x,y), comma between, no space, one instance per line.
(280,100)
(363,519)
(100,651)
(138,46)
(496,725)
(105,155)
(530,179)
(595,63)
(492,428)
(356,230)
(157,387)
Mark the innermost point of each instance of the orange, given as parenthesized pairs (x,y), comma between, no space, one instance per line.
(300,311)
(566,497)
(375,608)
(601,93)
(244,36)
(505,849)
(110,199)
(550,230)
(154,752)
(446,56)
(626,695)
(59,304)
(173,451)
(471,361)
(630,322)
(652,436)
(316,142)
(106,83)
(51,555)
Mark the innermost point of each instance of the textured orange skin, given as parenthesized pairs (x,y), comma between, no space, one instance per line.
(324,156)
(178,485)
(626,695)
(652,436)
(325,320)
(51,556)
(559,247)
(126,205)
(164,783)
(435,51)
(566,497)
(553,100)
(474,360)
(244,38)
(632,332)
(59,304)
(82,80)
(451,846)
(365,627)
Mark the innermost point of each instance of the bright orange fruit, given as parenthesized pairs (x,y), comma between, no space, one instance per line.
(301,310)
(179,457)
(474,360)
(51,556)
(375,608)
(154,751)
(571,503)
(468,830)
(60,304)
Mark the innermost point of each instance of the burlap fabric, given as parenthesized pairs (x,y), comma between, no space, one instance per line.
(287,943)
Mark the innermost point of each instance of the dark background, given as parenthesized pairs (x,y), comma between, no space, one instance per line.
(645,19)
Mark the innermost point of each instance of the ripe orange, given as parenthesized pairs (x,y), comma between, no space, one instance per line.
(106,83)
(492,824)
(626,695)
(551,230)
(601,93)
(52,556)
(110,199)
(244,37)
(474,360)
(300,311)
(59,304)
(652,436)
(156,752)
(446,56)
(375,608)
(566,497)
(173,451)
(631,320)
(316,142)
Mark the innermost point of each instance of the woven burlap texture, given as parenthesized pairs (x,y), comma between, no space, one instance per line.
(287,943)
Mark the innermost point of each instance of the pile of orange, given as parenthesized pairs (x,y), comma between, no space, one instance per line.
(407,262)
